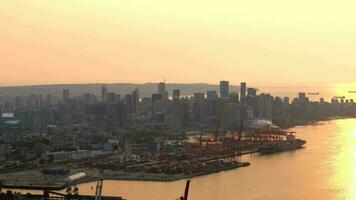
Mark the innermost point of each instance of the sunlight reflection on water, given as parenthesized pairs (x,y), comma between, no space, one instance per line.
(325,169)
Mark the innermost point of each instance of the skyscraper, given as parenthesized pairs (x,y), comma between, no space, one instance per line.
(162,90)
(154,98)
(224,89)
(128,102)
(104,93)
(135,100)
(199,96)
(211,94)
(176,94)
(65,94)
(301,96)
(234,97)
(251,92)
(242,90)
(110,97)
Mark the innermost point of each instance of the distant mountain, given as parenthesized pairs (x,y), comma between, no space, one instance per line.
(145,89)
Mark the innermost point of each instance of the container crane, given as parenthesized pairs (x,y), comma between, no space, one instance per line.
(186,191)
(99,188)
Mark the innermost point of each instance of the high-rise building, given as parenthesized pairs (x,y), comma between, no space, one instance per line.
(176,94)
(110,97)
(251,92)
(117,98)
(264,106)
(49,99)
(162,89)
(155,97)
(301,96)
(65,94)
(199,96)
(286,100)
(234,97)
(135,100)
(211,94)
(224,89)
(104,93)
(242,90)
(128,102)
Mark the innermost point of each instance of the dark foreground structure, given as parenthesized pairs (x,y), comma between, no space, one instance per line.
(17,196)
(52,193)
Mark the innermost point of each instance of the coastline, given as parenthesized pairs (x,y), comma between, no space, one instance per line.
(171,178)
(160,177)
(316,122)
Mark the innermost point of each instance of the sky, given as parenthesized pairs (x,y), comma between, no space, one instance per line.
(275,42)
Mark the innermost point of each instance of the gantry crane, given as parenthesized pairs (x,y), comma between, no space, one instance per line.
(186,191)
(99,188)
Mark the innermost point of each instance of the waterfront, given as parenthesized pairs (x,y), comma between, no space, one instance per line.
(325,169)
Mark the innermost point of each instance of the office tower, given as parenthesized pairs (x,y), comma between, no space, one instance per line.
(104,93)
(128,102)
(176,94)
(117,98)
(211,94)
(224,89)
(286,100)
(242,90)
(251,92)
(161,88)
(135,100)
(199,96)
(65,94)
(301,96)
(86,97)
(265,106)
(34,101)
(110,97)
(49,99)
(234,97)
(154,98)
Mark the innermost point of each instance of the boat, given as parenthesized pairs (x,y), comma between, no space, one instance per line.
(291,143)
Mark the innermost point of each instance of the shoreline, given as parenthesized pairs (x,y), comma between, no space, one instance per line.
(122,177)
(162,177)
(172,178)
(316,122)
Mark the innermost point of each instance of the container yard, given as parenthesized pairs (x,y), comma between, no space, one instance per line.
(171,161)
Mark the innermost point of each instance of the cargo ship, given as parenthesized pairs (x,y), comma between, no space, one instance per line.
(290,143)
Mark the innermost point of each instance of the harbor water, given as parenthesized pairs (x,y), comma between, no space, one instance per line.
(324,169)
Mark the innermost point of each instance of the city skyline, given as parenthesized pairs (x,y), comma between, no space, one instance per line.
(84,42)
(117,100)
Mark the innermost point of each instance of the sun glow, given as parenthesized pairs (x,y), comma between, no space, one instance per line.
(347,90)
(344,162)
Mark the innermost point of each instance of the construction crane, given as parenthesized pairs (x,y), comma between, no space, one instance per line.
(99,188)
(186,191)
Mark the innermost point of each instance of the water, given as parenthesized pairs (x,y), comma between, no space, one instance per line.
(327,91)
(325,169)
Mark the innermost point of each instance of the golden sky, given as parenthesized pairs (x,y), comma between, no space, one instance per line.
(262,42)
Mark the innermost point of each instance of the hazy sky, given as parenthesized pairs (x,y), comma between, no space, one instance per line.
(263,42)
